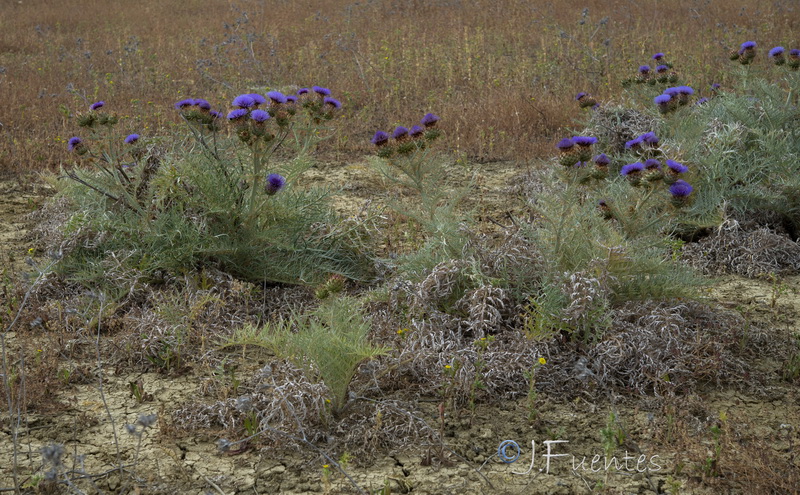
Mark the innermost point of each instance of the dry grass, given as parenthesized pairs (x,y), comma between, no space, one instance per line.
(502,74)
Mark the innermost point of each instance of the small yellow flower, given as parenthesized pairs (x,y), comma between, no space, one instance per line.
(327,401)
(542,360)
(325,466)
(447,366)
(31,251)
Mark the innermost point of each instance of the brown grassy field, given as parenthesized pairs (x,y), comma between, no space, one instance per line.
(501,73)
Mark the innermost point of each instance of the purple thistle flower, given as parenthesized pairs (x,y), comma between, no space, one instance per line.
(74,142)
(584,140)
(291,99)
(644,69)
(602,160)
(672,91)
(633,143)
(237,114)
(778,50)
(662,99)
(321,91)
(747,45)
(202,104)
(243,101)
(632,169)
(662,68)
(676,167)
(184,103)
(580,95)
(565,144)
(429,120)
(336,104)
(276,97)
(275,182)
(96,105)
(416,131)
(400,132)
(658,56)
(302,91)
(794,52)
(132,138)
(685,90)
(650,138)
(652,164)
(701,101)
(257,99)
(715,86)
(215,114)
(259,116)
(380,138)
(680,189)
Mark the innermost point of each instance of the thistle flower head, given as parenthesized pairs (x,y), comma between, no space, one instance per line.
(634,143)
(132,138)
(380,138)
(632,169)
(794,52)
(276,97)
(429,120)
(650,138)
(580,95)
(676,167)
(243,101)
(188,102)
(652,164)
(584,140)
(662,69)
(644,69)
(260,116)
(658,56)
(333,102)
(400,132)
(302,91)
(680,189)
(74,142)
(747,45)
(662,99)
(602,160)
(701,101)
(291,99)
(416,131)
(275,182)
(685,90)
(202,104)
(257,99)
(565,144)
(96,105)
(715,86)
(674,91)
(215,114)
(237,114)
(321,91)
(777,51)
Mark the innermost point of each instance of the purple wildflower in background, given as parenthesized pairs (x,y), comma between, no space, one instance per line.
(602,160)
(565,144)
(276,97)
(747,45)
(676,167)
(257,99)
(400,132)
(188,102)
(96,105)
(680,189)
(650,138)
(664,102)
(429,120)
(332,102)
(778,50)
(701,101)
(302,91)
(658,56)
(416,131)
(672,91)
(662,68)
(243,101)
(580,95)
(132,138)
(202,104)
(634,143)
(715,86)
(652,164)
(584,140)
(644,69)
(794,52)
(74,142)
(291,99)
(632,169)
(215,114)
(237,114)
(321,91)
(685,90)
(259,116)
(380,138)
(275,182)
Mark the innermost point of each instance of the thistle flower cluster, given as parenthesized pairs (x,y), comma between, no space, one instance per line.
(578,152)
(745,54)
(585,100)
(778,57)
(652,168)
(198,110)
(404,140)
(673,98)
(253,114)
(660,72)
(96,117)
